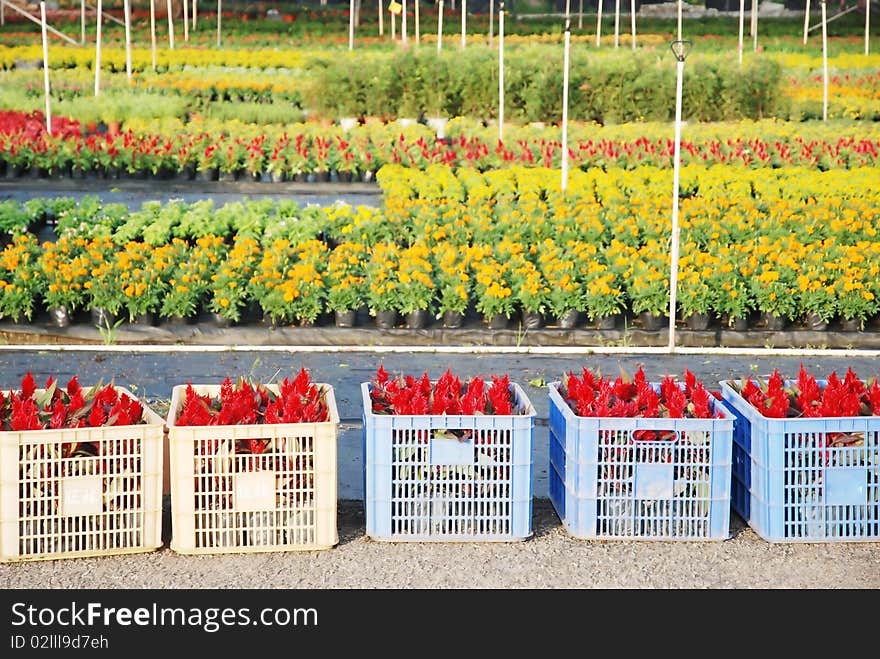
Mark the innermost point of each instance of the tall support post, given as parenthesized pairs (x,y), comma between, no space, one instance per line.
(46,91)
(680,49)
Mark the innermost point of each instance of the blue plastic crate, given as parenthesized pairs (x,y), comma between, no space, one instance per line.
(605,484)
(448,478)
(790,485)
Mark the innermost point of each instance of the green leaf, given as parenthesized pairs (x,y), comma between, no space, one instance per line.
(537,383)
(46,397)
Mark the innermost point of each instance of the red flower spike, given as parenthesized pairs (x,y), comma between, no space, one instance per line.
(28,386)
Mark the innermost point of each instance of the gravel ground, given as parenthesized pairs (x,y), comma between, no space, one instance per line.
(550,559)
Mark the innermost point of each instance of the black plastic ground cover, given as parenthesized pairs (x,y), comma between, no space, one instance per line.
(260,335)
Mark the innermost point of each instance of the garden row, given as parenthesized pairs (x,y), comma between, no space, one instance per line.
(232,151)
(615,86)
(322,25)
(253,466)
(788,244)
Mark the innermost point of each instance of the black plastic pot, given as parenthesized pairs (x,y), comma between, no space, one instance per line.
(59,317)
(698,321)
(497,321)
(386,319)
(652,321)
(417,319)
(569,320)
(452,319)
(773,322)
(532,320)
(347,318)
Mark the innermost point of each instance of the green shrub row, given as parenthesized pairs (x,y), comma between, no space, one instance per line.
(614,88)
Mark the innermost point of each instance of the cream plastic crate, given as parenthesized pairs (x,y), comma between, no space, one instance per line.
(63,507)
(225,501)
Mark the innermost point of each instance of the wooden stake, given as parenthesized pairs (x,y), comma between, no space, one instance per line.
(501,73)
(185,19)
(564,182)
(598,23)
(440,28)
(806,21)
(98,52)
(632,20)
(153,31)
(617,23)
(463,23)
(351,25)
(219,19)
(126,8)
(742,20)
(381,27)
(45,67)
(170,26)
(824,64)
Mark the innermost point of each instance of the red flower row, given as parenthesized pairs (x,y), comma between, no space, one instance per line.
(71,407)
(298,401)
(595,396)
(405,394)
(837,398)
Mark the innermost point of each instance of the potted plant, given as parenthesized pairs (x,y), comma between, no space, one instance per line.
(229,290)
(20,279)
(346,282)
(382,293)
(416,288)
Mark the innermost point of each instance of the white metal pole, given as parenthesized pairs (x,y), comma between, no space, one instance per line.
(867,26)
(824,65)
(185,19)
(219,19)
(126,8)
(679,19)
(742,20)
(417,21)
(673,274)
(463,22)
(351,25)
(171,25)
(501,73)
(564,183)
(82,20)
(616,23)
(806,21)
(381,26)
(598,23)
(403,21)
(580,14)
(98,52)
(45,67)
(754,26)
(632,19)
(491,14)
(153,31)
(440,27)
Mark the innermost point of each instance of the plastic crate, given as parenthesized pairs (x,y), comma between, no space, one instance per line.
(791,487)
(448,478)
(224,500)
(52,506)
(605,484)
